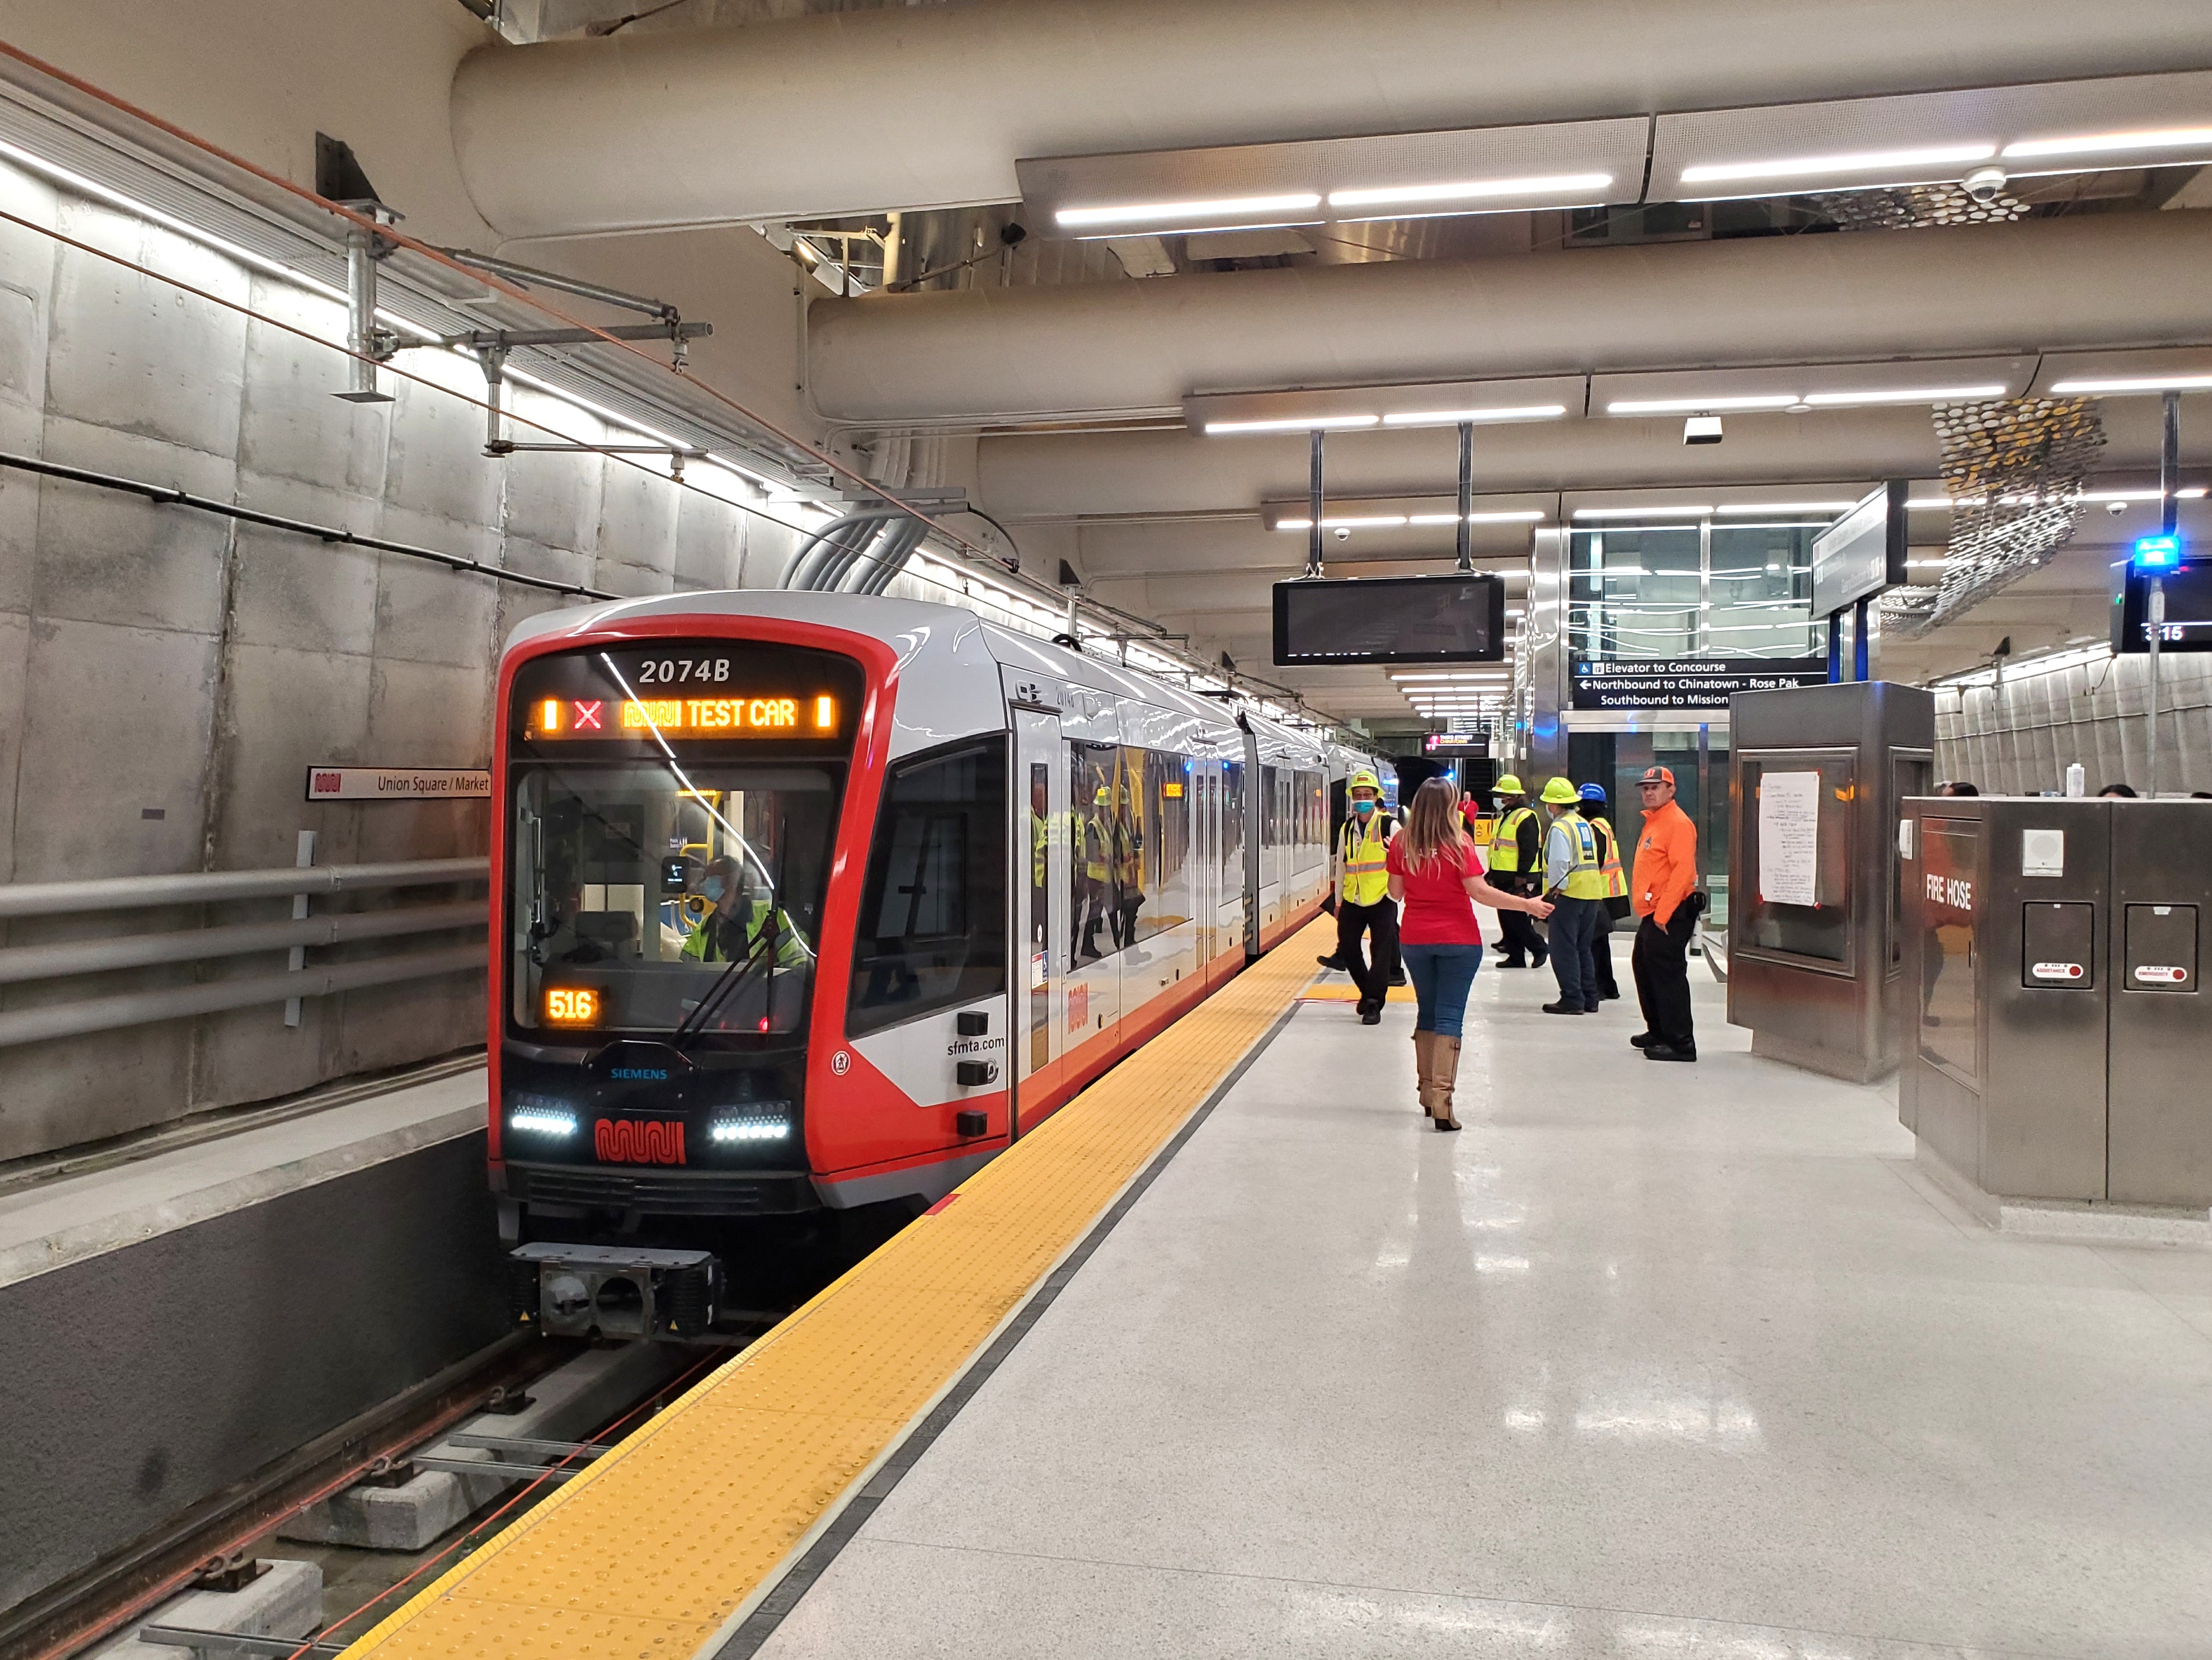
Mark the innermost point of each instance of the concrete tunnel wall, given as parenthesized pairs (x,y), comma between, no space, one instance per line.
(166,676)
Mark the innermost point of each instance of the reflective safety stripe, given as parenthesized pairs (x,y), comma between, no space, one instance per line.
(1616,879)
(1586,879)
(1365,854)
(1505,841)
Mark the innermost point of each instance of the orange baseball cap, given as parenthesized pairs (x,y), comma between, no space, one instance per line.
(1656,775)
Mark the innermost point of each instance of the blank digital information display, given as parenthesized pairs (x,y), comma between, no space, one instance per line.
(1447,618)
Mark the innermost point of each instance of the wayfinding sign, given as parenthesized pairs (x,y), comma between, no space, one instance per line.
(1686,682)
(1863,553)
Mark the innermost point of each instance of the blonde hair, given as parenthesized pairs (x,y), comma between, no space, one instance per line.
(1433,829)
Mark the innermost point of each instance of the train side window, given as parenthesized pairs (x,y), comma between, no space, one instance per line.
(932,930)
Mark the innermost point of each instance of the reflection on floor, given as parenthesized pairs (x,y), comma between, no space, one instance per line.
(1649,1361)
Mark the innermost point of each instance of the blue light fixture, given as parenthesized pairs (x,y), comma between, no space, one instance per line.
(2158,553)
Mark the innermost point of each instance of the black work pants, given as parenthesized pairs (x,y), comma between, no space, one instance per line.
(1660,960)
(1523,942)
(1602,955)
(1369,972)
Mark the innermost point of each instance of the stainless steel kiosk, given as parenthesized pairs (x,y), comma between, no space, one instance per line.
(1815,775)
(2060,1045)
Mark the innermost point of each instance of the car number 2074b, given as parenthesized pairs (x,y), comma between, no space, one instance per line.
(678,671)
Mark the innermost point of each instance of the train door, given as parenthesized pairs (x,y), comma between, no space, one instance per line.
(1203,861)
(1041,902)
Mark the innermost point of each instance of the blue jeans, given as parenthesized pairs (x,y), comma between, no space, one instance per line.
(1574,955)
(1442,975)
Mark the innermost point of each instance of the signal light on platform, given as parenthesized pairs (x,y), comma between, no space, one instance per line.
(2159,553)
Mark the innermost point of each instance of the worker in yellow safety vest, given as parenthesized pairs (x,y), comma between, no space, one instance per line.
(1364,904)
(1615,881)
(1516,866)
(1575,883)
(1095,872)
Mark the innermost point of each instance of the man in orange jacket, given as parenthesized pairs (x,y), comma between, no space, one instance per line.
(1663,892)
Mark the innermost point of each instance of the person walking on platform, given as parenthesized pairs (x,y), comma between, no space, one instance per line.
(1516,861)
(1435,875)
(1576,890)
(1364,904)
(1616,890)
(1664,887)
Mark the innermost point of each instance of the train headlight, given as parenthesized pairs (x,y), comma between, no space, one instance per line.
(541,1115)
(753,1124)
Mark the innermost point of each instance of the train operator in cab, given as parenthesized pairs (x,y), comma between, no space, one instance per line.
(739,909)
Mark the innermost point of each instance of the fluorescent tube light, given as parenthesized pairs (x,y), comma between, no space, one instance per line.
(1671,510)
(1634,406)
(1531,517)
(1454,417)
(1788,508)
(1472,190)
(1379,521)
(1295,424)
(1146,213)
(1920,395)
(1861,161)
(2086,143)
(2160,383)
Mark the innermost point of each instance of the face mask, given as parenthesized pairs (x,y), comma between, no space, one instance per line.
(713,888)
(1363,807)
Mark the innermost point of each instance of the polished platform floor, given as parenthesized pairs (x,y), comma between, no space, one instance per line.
(1649,1361)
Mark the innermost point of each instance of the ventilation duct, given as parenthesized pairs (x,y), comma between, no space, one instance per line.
(818,115)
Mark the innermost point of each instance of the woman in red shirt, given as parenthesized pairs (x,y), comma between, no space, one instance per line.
(1434,876)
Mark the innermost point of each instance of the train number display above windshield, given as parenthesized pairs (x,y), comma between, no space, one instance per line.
(684,671)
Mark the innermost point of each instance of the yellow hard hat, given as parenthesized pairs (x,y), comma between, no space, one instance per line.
(1560,793)
(1103,794)
(1363,779)
(1509,784)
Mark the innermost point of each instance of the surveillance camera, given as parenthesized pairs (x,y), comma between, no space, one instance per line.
(1702,429)
(2116,508)
(1343,535)
(1984,184)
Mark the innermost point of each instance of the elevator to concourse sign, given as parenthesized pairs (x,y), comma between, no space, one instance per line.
(398,784)
(1686,682)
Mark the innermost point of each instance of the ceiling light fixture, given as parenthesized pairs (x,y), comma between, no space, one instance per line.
(1380,522)
(2163,383)
(1861,161)
(1454,417)
(1637,406)
(1528,518)
(1472,190)
(1150,213)
(1671,510)
(2085,143)
(1918,395)
(1295,424)
(1786,507)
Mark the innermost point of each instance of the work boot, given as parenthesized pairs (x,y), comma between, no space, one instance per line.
(1644,1039)
(1332,960)
(1565,1008)
(1425,1067)
(1370,1012)
(1660,1052)
(1446,1075)
(1542,957)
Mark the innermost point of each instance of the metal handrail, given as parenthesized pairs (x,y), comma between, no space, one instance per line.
(59,899)
(40,962)
(60,959)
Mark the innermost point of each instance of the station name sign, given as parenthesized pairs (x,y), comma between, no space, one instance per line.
(1686,683)
(398,784)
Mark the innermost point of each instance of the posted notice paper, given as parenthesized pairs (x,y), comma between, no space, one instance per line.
(1789,838)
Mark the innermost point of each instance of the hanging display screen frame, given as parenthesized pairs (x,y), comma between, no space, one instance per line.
(1341,621)
(1863,553)
(2188,610)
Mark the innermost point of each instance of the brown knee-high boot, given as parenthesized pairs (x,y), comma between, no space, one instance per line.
(1446,1074)
(1424,1069)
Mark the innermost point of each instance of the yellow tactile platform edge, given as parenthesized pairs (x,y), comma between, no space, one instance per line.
(664,1544)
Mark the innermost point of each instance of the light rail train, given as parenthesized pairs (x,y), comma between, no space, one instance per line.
(817,902)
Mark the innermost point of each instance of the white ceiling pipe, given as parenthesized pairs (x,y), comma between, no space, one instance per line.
(930,106)
(1103,347)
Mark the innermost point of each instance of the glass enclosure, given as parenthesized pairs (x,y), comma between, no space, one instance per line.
(1709,588)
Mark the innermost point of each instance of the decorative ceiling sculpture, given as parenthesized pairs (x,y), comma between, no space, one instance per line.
(1914,207)
(2013,470)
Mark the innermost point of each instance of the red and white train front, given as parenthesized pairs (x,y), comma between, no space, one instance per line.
(804,896)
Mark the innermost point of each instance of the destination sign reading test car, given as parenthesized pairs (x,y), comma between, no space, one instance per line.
(692,692)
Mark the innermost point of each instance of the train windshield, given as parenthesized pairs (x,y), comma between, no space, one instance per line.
(650,897)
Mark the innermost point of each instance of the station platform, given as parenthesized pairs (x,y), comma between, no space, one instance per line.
(1647,1360)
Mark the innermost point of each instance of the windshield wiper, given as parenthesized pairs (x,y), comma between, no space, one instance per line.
(727,983)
